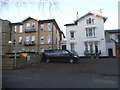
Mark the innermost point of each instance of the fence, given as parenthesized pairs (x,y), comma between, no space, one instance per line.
(8,62)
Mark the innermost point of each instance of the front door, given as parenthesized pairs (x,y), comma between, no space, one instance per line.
(96,49)
(63,47)
(110,52)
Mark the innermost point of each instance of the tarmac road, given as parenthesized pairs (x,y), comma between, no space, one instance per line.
(87,73)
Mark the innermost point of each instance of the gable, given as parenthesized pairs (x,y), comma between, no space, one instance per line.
(91,14)
(29,19)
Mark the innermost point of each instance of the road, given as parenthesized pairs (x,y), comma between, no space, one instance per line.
(87,73)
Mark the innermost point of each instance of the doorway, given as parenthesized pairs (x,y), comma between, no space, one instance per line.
(63,47)
(110,52)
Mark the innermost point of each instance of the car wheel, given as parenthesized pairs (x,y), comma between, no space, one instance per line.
(71,60)
(48,60)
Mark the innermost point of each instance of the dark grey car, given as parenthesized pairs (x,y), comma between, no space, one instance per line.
(60,55)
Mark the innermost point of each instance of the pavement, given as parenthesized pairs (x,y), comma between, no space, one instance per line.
(87,73)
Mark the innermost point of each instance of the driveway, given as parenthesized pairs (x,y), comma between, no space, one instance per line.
(87,73)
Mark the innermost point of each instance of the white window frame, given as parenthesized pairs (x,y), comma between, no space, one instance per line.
(32,50)
(27,26)
(42,27)
(72,34)
(90,32)
(19,50)
(33,38)
(33,24)
(90,21)
(15,29)
(21,27)
(72,47)
(48,26)
(20,39)
(27,38)
(48,38)
(41,39)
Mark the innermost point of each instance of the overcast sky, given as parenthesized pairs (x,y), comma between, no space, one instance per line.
(64,12)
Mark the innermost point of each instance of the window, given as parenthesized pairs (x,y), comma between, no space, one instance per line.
(119,38)
(90,21)
(27,39)
(86,47)
(41,39)
(15,29)
(72,34)
(42,27)
(87,21)
(14,41)
(20,40)
(90,32)
(27,26)
(32,50)
(48,39)
(32,38)
(19,50)
(42,50)
(72,46)
(13,51)
(27,50)
(48,26)
(20,29)
(57,52)
(65,52)
(33,26)
(91,48)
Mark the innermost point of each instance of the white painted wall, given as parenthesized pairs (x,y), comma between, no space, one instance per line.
(80,35)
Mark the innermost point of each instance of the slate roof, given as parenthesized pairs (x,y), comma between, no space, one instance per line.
(113,31)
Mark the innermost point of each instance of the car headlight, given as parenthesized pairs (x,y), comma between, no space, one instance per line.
(75,56)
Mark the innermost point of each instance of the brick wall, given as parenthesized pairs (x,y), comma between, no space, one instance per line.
(8,62)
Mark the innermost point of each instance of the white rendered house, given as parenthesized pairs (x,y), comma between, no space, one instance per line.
(86,35)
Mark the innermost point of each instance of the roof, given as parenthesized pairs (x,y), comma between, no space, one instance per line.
(75,22)
(113,31)
(17,23)
(104,18)
(48,20)
(29,18)
(71,24)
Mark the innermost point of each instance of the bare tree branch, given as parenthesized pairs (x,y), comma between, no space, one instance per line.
(49,5)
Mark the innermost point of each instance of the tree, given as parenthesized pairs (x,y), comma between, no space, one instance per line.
(48,5)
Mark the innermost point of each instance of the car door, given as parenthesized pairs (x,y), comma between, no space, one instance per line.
(56,55)
(65,55)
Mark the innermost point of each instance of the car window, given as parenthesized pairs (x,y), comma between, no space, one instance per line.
(65,52)
(57,52)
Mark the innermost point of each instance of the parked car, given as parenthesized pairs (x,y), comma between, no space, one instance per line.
(60,55)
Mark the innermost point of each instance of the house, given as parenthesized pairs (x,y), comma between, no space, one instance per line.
(5,32)
(112,41)
(86,35)
(32,35)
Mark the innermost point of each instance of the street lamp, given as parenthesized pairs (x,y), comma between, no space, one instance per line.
(10,42)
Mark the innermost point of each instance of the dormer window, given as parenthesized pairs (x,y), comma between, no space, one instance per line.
(90,21)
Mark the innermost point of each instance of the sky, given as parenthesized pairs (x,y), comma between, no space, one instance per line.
(63,12)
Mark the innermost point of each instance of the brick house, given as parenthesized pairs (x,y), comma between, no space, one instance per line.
(32,35)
